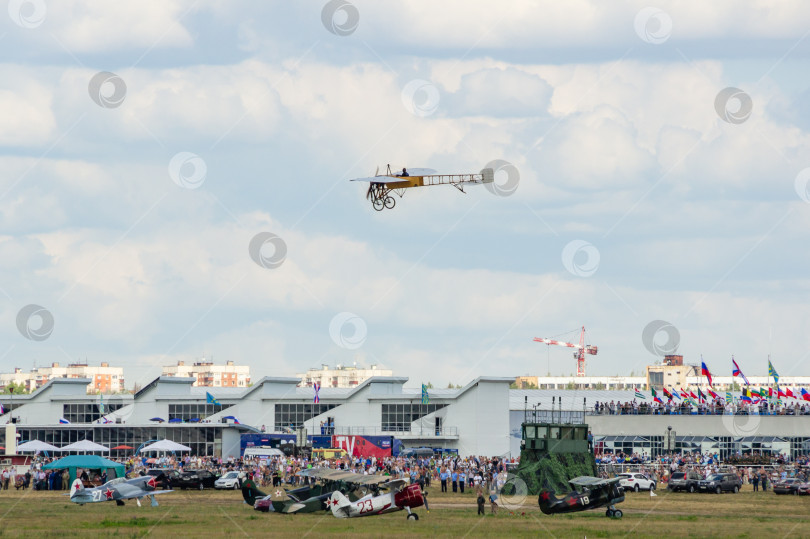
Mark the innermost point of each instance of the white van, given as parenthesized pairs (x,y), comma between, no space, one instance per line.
(262,452)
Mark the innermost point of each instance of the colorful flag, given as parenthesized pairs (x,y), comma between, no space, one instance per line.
(737,372)
(789,393)
(805,395)
(692,394)
(209,399)
(714,395)
(704,370)
(425,396)
(317,387)
(729,397)
(64,421)
(655,397)
(667,394)
(684,394)
(640,395)
(744,397)
(780,393)
(701,396)
(772,372)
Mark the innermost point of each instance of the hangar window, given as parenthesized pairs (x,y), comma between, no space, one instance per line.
(398,417)
(294,415)
(194,412)
(83,412)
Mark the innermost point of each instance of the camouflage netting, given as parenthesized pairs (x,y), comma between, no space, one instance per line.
(543,471)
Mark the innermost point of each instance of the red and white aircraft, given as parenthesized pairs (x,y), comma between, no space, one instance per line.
(400,496)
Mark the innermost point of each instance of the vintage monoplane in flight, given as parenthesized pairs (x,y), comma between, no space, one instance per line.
(592,493)
(117,490)
(400,496)
(382,185)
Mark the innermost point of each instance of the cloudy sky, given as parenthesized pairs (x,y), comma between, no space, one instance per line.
(174,183)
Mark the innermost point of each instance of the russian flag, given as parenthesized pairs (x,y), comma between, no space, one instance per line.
(805,395)
(64,421)
(737,372)
(704,370)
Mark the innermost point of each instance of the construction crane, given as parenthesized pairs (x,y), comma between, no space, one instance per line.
(579,355)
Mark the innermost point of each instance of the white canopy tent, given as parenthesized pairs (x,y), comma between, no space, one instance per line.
(165,445)
(36,445)
(84,445)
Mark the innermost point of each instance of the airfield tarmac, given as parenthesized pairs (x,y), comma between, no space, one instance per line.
(221,513)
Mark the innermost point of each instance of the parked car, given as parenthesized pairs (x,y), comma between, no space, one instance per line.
(720,482)
(198,479)
(636,481)
(803,489)
(231,480)
(687,481)
(417,452)
(787,486)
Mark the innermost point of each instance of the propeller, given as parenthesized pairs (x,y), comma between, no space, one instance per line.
(424,499)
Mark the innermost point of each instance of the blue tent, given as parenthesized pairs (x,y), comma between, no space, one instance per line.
(89,462)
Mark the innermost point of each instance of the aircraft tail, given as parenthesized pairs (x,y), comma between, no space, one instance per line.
(250,493)
(339,504)
(547,500)
(76,488)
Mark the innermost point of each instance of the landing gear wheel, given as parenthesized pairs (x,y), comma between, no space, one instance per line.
(390,202)
(378,204)
(413,516)
(609,513)
(617,513)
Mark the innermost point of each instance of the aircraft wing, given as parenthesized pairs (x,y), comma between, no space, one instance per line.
(421,171)
(588,481)
(378,179)
(395,485)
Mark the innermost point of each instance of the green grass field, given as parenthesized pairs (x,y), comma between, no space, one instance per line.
(212,513)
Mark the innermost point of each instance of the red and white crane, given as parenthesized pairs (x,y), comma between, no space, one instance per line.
(579,355)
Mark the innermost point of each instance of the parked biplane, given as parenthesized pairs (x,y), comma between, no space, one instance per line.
(117,490)
(313,498)
(589,493)
(400,496)
(382,185)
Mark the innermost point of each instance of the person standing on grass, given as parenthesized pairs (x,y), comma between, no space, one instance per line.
(443,476)
(454,478)
(462,478)
(480,501)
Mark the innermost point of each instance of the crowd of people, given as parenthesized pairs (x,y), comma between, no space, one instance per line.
(704,407)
